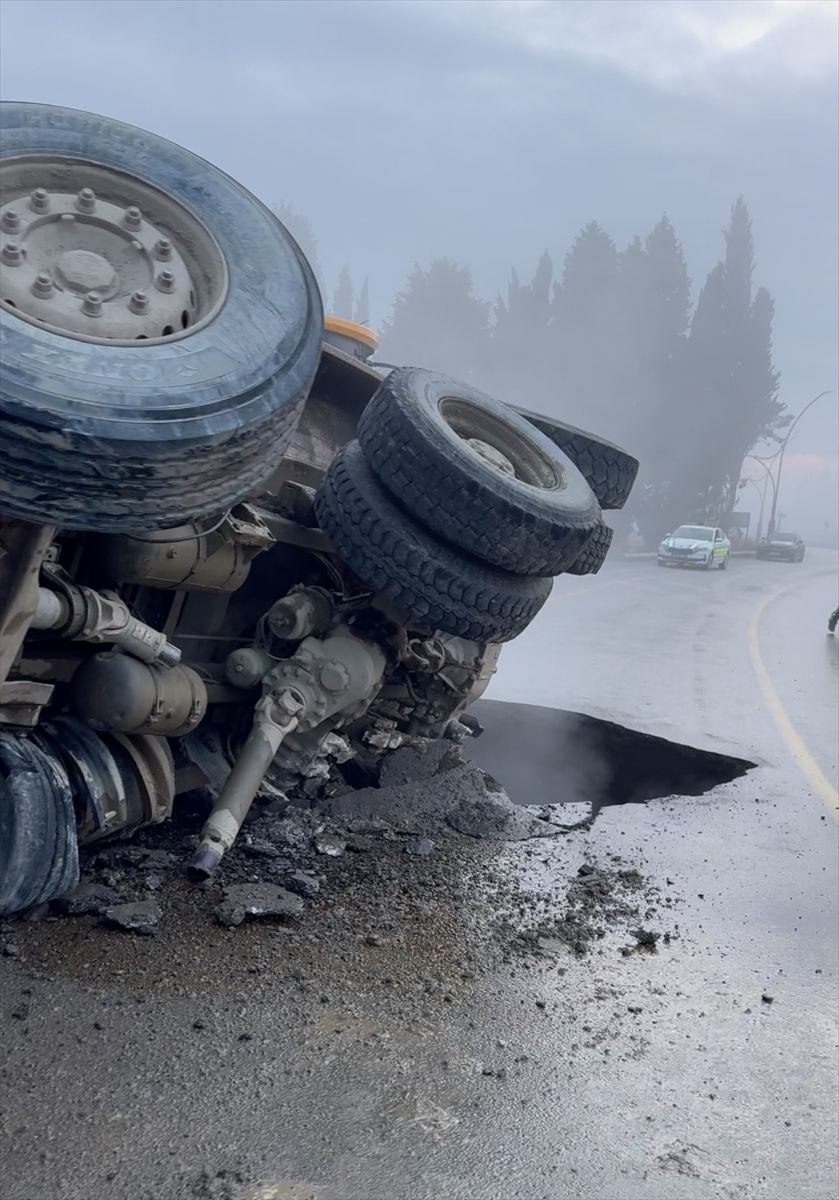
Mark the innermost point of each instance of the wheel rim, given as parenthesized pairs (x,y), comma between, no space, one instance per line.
(500,444)
(97,254)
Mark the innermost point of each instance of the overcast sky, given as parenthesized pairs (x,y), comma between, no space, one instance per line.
(490,130)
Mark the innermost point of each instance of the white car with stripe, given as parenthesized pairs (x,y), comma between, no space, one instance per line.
(695,546)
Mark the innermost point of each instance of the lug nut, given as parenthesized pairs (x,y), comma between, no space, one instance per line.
(86,200)
(39,201)
(11,254)
(165,282)
(133,218)
(163,250)
(92,304)
(10,221)
(43,285)
(139,303)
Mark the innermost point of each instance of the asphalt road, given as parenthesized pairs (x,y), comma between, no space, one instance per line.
(439,1059)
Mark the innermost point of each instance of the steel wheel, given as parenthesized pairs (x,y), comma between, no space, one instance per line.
(160,328)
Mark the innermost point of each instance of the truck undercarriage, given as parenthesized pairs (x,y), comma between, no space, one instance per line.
(235,557)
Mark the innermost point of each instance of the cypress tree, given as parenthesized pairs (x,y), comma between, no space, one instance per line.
(521,349)
(438,322)
(300,228)
(362,306)
(734,383)
(342,301)
(585,310)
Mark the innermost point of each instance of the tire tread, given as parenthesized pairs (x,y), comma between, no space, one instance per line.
(434,583)
(536,538)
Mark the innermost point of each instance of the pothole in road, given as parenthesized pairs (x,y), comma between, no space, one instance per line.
(522,776)
(553,756)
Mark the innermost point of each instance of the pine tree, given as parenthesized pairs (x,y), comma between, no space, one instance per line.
(735,386)
(612,347)
(656,306)
(670,286)
(301,230)
(588,389)
(342,301)
(437,322)
(520,351)
(589,272)
(634,343)
(362,306)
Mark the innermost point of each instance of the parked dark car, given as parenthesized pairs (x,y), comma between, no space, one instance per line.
(788,546)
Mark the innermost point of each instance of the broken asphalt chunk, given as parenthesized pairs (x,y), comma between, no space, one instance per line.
(86,898)
(255,900)
(410,763)
(302,883)
(420,848)
(259,848)
(142,918)
(329,844)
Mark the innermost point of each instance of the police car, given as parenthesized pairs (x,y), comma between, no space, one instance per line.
(695,546)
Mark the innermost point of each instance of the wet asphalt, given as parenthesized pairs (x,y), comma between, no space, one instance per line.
(404,1043)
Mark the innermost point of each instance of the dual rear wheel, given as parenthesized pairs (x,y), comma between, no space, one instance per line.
(457,508)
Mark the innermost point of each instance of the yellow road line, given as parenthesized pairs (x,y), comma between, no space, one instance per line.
(794,743)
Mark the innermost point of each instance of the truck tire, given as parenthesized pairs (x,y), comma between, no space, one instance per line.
(39,859)
(109,419)
(609,471)
(392,553)
(594,555)
(477,473)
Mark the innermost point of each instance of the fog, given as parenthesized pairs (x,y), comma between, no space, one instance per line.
(490,132)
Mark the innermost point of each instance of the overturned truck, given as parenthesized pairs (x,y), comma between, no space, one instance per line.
(234,554)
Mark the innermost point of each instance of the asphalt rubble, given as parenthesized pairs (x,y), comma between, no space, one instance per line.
(416,829)
(374,908)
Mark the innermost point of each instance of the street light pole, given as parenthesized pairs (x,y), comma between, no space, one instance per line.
(771,528)
(762,494)
(771,479)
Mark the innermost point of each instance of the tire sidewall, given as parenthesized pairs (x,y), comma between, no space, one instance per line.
(185,387)
(38,850)
(419,394)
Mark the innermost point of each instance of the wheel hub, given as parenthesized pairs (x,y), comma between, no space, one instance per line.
(83,271)
(485,432)
(115,259)
(493,456)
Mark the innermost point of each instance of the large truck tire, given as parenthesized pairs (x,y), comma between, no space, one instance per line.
(609,470)
(478,474)
(159,328)
(39,859)
(393,554)
(594,554)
